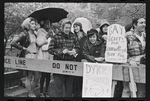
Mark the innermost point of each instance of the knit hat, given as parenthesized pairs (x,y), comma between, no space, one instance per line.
(78,24)
(91,32)
(26,22)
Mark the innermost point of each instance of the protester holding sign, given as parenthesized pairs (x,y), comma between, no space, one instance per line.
(64,46)
(136,50)
(27,40)
(94,48)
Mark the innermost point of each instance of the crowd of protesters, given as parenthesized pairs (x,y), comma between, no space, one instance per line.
(58,40)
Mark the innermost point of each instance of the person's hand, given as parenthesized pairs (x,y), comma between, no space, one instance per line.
(65,51)
(104,37)
(100,59)
(47,36)
(73,52)
(133,63)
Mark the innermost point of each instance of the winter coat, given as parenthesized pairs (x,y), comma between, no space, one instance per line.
(91,51)
(43,43)
(24,41)
(62,41)
(81,43)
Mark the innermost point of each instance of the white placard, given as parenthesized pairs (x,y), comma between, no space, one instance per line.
(97,80)
(116,47)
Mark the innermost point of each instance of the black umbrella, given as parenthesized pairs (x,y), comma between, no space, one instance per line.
(52,14)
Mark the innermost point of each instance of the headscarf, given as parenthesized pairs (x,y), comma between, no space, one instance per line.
(103,23)
(25,24)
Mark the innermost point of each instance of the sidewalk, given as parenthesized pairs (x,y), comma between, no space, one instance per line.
(22,92)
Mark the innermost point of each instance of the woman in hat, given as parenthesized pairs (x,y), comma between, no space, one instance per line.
(81,37)
(103,30)
(26,41)
(94,48)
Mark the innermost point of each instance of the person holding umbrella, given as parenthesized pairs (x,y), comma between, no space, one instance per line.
(53,15)
(64,46)
(43,40)
(26,41)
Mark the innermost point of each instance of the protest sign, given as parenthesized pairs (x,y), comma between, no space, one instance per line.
(97,80)
(116,46)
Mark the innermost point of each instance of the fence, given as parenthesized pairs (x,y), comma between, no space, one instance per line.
(121,72)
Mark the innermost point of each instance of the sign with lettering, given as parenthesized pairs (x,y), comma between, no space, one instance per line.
(69,68)
(97,80)
(50,66)
(116,46)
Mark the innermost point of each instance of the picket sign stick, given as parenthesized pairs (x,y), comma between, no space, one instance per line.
(114,83)
(132,83)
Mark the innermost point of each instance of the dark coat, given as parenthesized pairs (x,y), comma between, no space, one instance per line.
(91,51)
(81,43)
(22,40)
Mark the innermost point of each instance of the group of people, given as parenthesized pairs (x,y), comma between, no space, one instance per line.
(40,42)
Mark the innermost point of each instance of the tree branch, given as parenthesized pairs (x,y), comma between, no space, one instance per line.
(136,10)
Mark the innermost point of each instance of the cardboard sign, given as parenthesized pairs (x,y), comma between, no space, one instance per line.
(116,47)
(50,66)
(97,80)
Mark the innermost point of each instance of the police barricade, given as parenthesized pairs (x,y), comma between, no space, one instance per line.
(120,71)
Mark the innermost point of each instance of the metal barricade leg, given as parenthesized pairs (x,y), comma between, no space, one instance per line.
(114,83)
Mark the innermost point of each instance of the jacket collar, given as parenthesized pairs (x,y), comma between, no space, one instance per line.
(98,42)
(65,35)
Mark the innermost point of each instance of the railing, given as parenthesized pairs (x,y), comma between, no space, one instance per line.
(120,71)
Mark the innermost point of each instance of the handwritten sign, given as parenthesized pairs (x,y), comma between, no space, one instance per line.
(116,47)
(97,80)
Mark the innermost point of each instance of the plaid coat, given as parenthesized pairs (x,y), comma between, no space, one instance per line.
(60,42)
(134,46)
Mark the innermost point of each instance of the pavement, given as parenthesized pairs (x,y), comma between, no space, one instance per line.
(22,92)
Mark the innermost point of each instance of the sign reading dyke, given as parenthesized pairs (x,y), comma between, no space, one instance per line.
(97,80)
(50,66)
(116,47)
